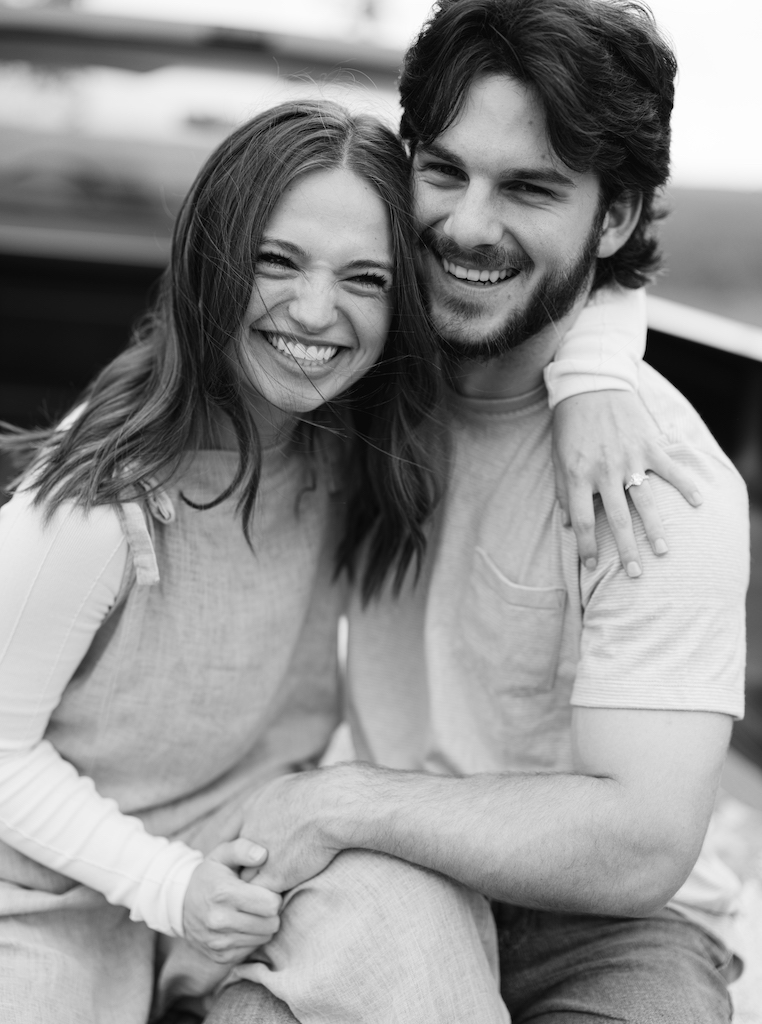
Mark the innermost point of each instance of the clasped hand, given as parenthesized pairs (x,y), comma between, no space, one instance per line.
(233,899)
(288,816)
(225,917)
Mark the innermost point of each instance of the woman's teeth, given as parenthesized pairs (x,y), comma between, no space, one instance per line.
(483,276)
(304,353)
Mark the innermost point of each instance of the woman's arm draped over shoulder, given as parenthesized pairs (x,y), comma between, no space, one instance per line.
(602,433)
(603,348)
(60,579)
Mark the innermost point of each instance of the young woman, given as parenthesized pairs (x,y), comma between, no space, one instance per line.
(169,602)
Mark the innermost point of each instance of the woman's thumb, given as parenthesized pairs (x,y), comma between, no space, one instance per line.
(239,853)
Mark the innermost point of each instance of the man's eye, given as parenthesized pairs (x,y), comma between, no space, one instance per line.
(445,170)
(528,188)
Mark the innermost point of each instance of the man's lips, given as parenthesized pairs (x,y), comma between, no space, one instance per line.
(486,265)
(475,275)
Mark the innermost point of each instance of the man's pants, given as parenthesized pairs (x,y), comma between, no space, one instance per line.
(569,969)
(572,969)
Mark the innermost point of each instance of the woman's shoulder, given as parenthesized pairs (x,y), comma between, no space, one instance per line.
(66,528)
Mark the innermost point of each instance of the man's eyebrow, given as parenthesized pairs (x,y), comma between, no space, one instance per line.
(439,151)
(548,175)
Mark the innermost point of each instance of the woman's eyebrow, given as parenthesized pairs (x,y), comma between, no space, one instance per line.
(370,264)
(295,250)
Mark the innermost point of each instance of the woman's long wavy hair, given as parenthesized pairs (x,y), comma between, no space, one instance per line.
(159,399)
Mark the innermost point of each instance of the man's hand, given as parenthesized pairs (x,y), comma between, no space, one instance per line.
(224,917)
(285,816)
(616,835)
(600,440)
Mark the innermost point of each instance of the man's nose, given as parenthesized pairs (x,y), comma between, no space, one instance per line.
(313,306)
(474,220)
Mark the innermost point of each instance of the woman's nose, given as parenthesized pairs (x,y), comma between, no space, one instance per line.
(313,306)
(473,220)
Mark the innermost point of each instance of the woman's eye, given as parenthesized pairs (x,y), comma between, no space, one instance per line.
(273,261)
(371,281)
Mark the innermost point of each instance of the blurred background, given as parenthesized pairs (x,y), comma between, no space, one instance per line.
(108,108)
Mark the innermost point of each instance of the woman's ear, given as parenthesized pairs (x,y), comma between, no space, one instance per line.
(619,223)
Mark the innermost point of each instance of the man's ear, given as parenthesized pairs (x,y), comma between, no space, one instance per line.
(619,223)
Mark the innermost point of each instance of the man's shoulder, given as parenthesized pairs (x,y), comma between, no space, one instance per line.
(674,639)
(677,419)
(690,443)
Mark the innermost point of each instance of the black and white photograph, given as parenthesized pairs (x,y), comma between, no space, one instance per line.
(380,512)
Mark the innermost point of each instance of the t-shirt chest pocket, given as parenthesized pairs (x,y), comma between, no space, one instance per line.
(510,634)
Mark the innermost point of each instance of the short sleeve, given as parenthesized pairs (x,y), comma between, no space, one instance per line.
(675,637)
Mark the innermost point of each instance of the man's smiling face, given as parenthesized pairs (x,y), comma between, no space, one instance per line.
(510,232)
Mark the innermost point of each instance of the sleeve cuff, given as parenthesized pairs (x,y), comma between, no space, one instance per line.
(567,378)
(161,895)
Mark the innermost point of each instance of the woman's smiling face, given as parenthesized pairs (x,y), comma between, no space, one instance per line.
(320,307)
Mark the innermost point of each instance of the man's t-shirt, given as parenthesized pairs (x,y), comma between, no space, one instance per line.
(477,666)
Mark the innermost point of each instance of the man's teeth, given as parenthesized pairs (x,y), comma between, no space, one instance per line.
(472,274)
(304,353)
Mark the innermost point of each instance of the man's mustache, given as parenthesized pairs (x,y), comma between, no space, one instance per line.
(486,257)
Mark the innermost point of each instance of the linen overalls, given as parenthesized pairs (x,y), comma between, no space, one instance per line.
(215,671)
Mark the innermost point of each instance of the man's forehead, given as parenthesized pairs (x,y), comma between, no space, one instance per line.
(501,121)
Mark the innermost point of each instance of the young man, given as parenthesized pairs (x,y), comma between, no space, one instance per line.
(552,733)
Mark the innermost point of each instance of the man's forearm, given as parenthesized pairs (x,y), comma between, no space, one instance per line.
(616,836)
(548,841)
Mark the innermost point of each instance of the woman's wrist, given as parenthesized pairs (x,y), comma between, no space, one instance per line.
(160,896)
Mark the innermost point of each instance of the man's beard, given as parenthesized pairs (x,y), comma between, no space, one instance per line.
(551,299)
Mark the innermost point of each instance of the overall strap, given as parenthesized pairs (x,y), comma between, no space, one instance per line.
(145,570)
(138,531)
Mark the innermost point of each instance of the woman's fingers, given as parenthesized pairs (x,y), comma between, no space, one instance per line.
(645,503)
(582,515)
(665,466)
(244,927)
(240,916)
(578,497)
(235,931)
(614,495)
(256,900)
(601,442)
(617,510)
(234,944)
(223,916)
(614,498)
(239,853)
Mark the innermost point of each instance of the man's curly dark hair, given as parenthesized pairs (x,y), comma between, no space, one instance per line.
(604,76)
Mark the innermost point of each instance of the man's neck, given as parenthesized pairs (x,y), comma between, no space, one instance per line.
(516,372)
(506,376)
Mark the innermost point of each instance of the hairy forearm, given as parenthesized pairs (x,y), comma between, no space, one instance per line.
(562,842)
